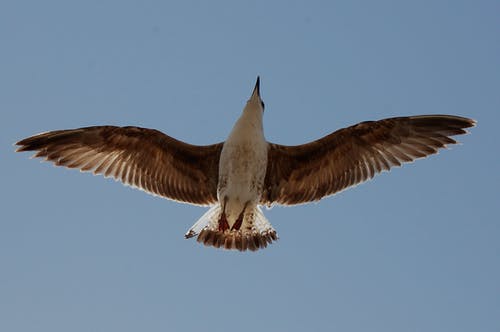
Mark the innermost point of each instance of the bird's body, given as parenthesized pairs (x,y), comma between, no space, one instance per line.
(237,176)
(237,221)
(243,163)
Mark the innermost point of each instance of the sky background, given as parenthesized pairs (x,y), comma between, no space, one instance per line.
(416,250)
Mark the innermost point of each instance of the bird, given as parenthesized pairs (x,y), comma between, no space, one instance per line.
(237,177)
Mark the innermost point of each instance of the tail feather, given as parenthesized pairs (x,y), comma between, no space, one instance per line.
(257,235)
(208,220)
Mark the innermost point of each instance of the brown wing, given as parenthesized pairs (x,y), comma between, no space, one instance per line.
(304,173)
(144,158)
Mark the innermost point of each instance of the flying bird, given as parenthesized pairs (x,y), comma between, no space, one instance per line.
(245,172)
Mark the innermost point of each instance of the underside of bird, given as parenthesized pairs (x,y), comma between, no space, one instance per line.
(251,231)
(257,172)
(160,165)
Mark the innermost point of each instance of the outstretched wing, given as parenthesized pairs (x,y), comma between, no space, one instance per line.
(304,173)
(143,158)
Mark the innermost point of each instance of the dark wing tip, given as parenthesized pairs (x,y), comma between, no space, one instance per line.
(26,144)
(469,122)
(22,147)
(449,120)
(444,125)
(36,142)
(461,122)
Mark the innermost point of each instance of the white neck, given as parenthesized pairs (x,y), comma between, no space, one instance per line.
(249,125)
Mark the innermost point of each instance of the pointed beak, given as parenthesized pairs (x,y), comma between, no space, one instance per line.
(256,90)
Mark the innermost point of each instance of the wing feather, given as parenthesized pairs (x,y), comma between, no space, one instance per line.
(140,157)
(308,172)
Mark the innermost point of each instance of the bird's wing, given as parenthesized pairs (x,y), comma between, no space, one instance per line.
(304,173)
(143,158)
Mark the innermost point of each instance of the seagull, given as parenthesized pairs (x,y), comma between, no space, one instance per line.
(234,178)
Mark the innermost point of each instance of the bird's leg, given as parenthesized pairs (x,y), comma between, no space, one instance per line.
(223,225)
(239,221)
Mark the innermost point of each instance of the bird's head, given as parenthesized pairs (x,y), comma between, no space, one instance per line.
(255,101)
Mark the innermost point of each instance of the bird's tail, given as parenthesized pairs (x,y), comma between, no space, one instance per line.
(256,232)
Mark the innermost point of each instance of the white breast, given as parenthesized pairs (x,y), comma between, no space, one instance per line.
(242,166)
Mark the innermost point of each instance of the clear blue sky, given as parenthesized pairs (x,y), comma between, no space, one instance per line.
(414,250)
